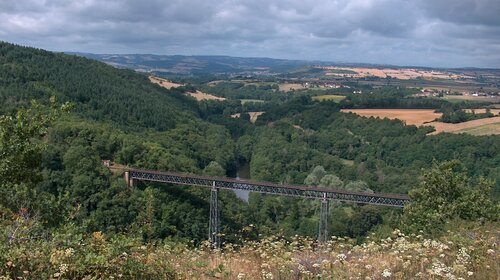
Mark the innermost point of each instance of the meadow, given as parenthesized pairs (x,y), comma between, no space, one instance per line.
(466,254)
(329,97)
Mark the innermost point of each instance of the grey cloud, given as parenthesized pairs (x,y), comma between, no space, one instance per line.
(483,12)
(437,32)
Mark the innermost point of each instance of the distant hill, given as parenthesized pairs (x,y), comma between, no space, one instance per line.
(183,65)
(206,64)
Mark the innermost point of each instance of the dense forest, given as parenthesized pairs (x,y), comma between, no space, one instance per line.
(63,114)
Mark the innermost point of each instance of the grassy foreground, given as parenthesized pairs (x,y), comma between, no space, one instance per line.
(464,254)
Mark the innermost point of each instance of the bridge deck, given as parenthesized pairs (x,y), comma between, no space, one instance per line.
(395,200)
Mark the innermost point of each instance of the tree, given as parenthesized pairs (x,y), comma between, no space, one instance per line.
(214,169)
(358,186)
(314,178)
(331,181)
(446,194)
(21,149)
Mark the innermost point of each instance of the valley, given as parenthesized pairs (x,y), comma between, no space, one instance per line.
(288,126)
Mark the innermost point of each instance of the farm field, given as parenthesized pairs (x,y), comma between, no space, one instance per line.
(452,98)
(487,129)
(481,111)
(329,97)
(289,87)
(402,74)
(244,101)
(204,96)
(164,83)
(486,126)
(416,117)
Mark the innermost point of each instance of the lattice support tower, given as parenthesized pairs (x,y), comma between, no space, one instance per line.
(214,220)
(323,220)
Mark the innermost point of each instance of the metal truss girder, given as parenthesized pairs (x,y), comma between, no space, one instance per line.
(269,188)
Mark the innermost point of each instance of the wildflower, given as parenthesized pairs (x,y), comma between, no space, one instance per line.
(341,257)
(69,252)
(63,268)
(386,273)
(470,273)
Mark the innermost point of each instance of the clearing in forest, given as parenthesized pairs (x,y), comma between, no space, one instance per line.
(164,83)
(245,101)
(253,116)
(416,117)
(204,96)
(329,97)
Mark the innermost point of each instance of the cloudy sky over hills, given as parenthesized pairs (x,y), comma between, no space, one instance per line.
(426,32)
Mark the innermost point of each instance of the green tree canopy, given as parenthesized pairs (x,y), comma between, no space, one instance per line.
(446,194)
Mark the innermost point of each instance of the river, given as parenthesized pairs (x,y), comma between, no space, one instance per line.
(243,173)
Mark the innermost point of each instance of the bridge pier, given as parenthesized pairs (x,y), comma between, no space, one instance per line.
(323,220)
(214,220)
(130,181)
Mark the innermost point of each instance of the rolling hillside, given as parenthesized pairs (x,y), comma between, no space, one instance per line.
(99,91)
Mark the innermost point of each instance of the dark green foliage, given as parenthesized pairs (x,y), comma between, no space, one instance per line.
(446,194)
(100,92)
(390,97)
(456,114)
(121,116)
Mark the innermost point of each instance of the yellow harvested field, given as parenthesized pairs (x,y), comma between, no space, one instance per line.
(164,83)
(481,111)
(402,74)
(204,96)
(475,127)
(410,116)
(329,97)
(289,87)
(494,99)
(253,116)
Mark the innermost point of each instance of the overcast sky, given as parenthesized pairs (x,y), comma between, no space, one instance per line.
(449,33)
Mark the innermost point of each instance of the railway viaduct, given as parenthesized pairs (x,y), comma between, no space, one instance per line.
(325,195)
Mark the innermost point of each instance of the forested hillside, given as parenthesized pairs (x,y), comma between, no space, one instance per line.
(117,115)
(101,92)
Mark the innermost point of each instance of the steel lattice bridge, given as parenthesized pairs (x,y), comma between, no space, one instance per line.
(216,183)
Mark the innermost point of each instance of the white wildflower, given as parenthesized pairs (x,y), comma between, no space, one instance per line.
(63,268)
(386,273)
(69,252)
(341,257)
